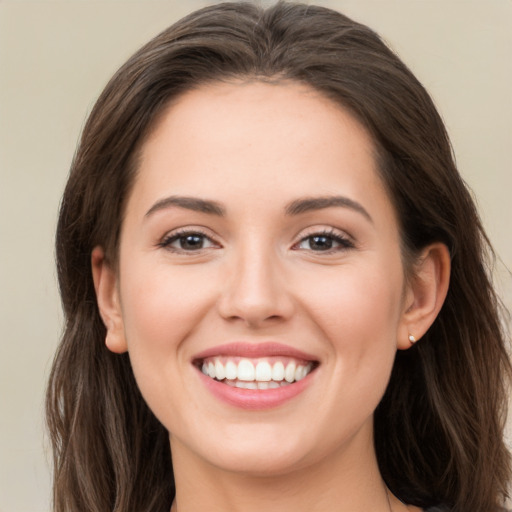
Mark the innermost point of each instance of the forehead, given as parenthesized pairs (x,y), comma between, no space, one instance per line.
(258,141)
(241,108)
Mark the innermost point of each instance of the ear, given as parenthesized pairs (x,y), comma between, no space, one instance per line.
(425,294)
(107,295)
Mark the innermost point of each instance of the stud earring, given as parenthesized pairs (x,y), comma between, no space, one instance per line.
(412,339)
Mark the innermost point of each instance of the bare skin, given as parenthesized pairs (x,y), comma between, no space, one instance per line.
(219,245)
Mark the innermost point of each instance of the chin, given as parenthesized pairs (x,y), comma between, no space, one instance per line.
(269,450)
(262,463)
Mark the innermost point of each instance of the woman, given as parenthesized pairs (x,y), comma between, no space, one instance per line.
(271,268)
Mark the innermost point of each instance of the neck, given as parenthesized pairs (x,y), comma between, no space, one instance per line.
(349,480)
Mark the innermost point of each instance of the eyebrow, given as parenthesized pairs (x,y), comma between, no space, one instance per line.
(309,204)
(189,203)
(296,207)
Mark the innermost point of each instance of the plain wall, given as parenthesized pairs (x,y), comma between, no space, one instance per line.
(55,57)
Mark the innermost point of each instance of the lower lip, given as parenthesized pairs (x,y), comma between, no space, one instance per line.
(254,399)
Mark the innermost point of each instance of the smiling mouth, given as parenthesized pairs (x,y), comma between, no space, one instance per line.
(259,373)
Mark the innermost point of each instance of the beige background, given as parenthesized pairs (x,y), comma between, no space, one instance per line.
(55,57)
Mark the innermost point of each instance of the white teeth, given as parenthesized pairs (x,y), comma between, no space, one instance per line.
(289,373)
(245,370)
(278,371)
(246,385)
(263,372)
(220,373)
(300,372)
(231,370)
(258,375)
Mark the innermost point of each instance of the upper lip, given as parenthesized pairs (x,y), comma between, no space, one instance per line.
(255,350)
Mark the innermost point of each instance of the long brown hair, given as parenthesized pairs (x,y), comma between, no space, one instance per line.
(439,427)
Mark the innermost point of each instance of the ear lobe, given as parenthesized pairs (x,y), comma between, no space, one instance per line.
(107,296)
(425,294)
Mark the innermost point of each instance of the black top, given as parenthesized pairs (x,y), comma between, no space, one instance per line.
(442,508)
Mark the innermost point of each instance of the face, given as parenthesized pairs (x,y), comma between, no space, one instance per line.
(260,283)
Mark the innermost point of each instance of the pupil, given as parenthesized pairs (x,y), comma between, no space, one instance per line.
(191,242)
(321,242)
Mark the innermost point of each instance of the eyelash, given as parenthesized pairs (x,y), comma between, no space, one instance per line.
(182,234)
(330,234)
(344,242)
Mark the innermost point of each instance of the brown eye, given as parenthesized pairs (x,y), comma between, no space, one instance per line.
(190,242)
(187,242)
(324,242)
(320,243)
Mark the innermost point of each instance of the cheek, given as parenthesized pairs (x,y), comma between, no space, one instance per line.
(357,300)
(358,311)
(161,310)
(161,306)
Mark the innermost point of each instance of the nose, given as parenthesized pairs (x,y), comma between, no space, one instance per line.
(256,291)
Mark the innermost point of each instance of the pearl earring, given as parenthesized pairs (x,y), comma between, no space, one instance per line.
(412,339)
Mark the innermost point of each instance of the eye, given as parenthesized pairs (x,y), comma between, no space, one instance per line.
(328,241)
(187,241)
